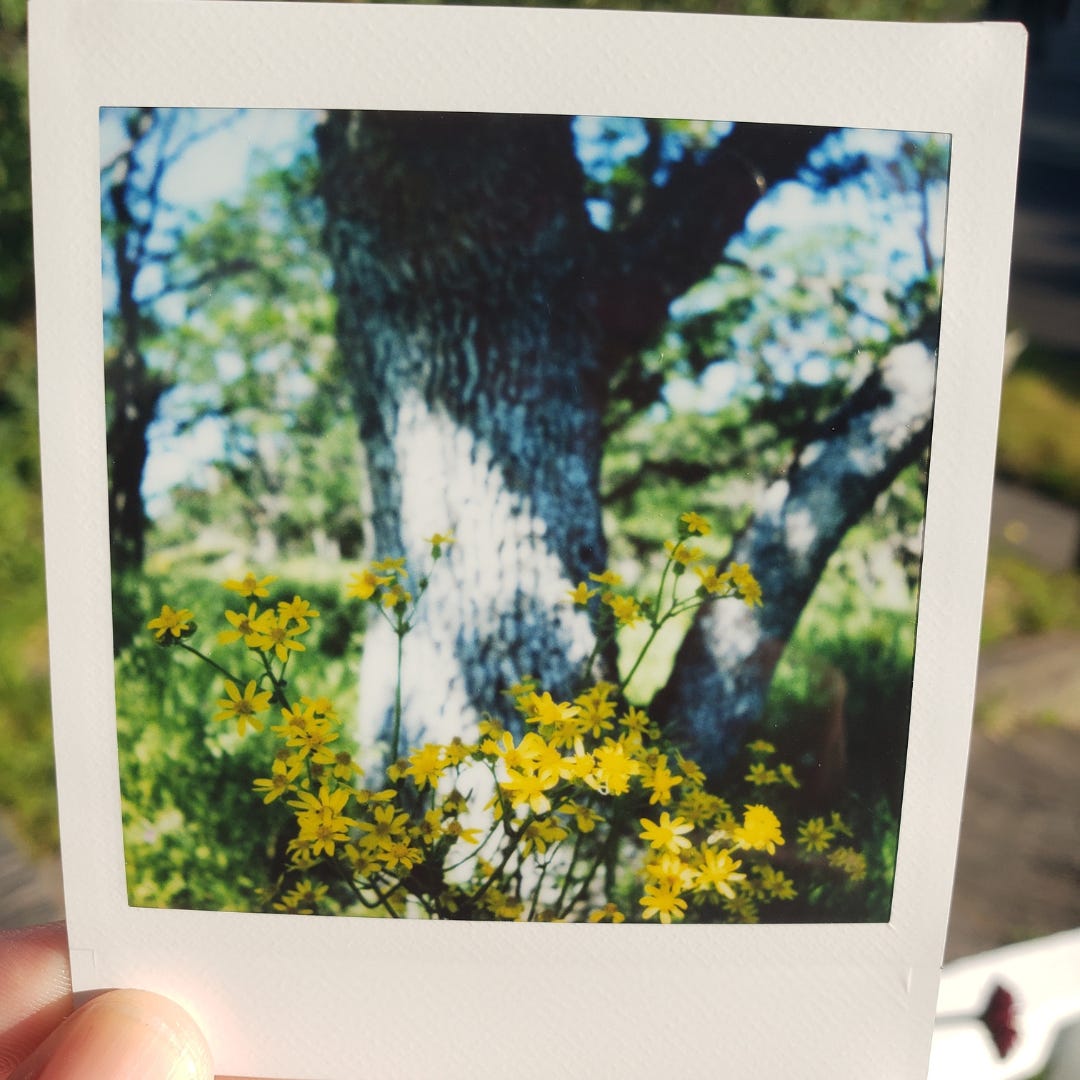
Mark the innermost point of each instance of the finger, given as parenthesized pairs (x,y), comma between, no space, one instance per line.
(35,989)
(123,1035)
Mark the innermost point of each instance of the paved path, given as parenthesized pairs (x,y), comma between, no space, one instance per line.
(1040,529)
(1018,867)
(30,892)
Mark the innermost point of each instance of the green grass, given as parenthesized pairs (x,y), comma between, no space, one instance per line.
(28,787)
(1024,599)
(195,834)
(1039,434)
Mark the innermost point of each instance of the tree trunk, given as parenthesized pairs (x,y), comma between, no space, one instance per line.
(132,389)
(723,670)
(480,317)
(460,247)
(134,392)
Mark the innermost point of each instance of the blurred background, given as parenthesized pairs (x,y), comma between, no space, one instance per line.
(1019,867)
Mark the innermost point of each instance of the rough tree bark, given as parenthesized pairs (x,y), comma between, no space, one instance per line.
(723,670)
(481,317)
(459,246)
(134,390)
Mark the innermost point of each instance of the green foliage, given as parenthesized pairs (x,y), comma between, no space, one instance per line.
(196,835)
(25,734)
(1024,599)
(760,352)
(16,270)
(1038,440)
(251,365)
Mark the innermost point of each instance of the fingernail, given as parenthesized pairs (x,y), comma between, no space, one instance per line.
(122,1035)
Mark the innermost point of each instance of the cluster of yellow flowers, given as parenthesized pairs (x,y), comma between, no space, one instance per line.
(538,819)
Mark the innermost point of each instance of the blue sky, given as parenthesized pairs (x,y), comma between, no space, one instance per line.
(236,145)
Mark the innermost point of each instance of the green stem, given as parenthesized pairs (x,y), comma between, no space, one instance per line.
(539,885)
(395,738)
(511,846)
(641,655)
(213,663)
(559,913)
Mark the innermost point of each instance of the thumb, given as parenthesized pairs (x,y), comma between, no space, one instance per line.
(123,1035)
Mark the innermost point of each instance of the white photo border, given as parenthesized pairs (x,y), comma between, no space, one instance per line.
(312,998)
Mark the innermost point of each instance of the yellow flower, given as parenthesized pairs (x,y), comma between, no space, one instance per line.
(760,774)
(249,585)
(760,830)
(624,608)
(717,870)
(391,566)
(695,523)
(426,765)
(298,610)
(322,823)
(280,780)
(456,751)
(243,626)
(545,710)
(528,787)
(681,553)
(275,633)
(362,586)
(585,818)
(581,593)
(613,769)
(666,835)
(311,739)
(171,622)
(519,693)
(438,541)
(691,770)
(746,583)
(303,898)
(400,853)
(608,912)
(635,720)
(815,835)
(775,885)
(699,806)
(344,768)
(664,901)
(320,706)
(396,596)
(741,907)
(297,722)
(542,834)
(243,707)
(387,828)
(852,862)
(607,577)
(430,828)
(597,708)
(787,774)
(660,781)
(711,581)
(760,746)
(670,870)
(455,829)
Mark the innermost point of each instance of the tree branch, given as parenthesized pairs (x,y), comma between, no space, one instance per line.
(684,227)
(722,673)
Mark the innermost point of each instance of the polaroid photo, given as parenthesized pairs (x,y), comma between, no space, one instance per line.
(517,487)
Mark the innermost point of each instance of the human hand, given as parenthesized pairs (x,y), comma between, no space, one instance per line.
(116,1035)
